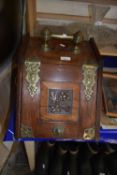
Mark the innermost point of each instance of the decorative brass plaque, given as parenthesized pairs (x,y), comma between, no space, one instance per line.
(32,77)
(89,134)
(26,131)
(89,80)
(60,101)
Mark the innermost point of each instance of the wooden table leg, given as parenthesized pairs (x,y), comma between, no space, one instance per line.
(30,150)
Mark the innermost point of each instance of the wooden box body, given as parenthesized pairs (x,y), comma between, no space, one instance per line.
(59,92)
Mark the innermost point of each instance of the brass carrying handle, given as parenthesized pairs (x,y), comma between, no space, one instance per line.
(47,35)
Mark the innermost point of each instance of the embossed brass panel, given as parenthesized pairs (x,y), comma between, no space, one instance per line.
(32,76)
(60,101)
(89,79)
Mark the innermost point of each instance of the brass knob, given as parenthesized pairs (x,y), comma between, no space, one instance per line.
(46,35)
(77,38)
(58,131)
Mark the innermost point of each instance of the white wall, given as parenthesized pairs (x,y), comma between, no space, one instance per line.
(69,8)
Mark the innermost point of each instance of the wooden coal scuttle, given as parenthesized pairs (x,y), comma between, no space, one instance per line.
(58,87)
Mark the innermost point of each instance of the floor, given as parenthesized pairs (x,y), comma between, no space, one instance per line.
(17,163)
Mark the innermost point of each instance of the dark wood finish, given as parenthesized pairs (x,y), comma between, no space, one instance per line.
(67,76)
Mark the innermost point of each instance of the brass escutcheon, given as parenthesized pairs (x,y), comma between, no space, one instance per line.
(58,131)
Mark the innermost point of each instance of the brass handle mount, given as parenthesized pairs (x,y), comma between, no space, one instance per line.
(46,34)
(77,38)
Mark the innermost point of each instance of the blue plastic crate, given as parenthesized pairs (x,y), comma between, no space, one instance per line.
(105,135)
